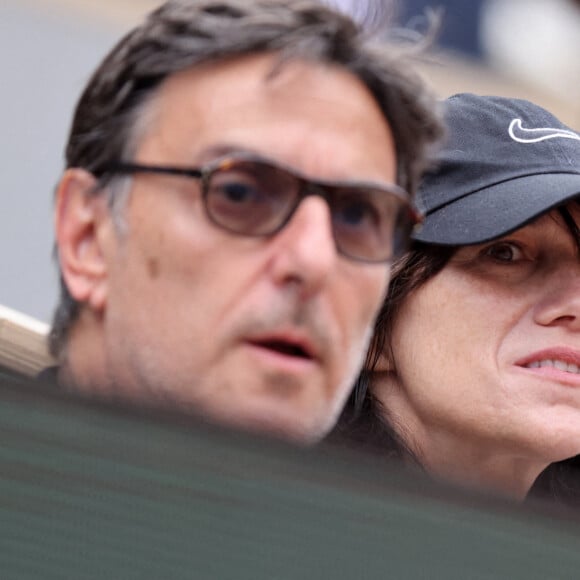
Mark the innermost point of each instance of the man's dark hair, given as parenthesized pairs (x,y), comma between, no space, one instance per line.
(184,33)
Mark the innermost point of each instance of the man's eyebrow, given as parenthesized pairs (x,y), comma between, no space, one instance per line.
(222,150)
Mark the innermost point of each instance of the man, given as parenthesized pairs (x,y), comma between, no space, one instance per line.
(196,267)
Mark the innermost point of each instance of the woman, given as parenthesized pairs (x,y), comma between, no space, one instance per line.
(473,372)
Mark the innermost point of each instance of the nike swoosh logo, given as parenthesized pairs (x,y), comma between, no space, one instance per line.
(523,135)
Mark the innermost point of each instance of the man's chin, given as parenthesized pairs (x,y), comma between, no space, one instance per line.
(287,423)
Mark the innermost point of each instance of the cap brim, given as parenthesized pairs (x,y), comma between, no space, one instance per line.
(498,210)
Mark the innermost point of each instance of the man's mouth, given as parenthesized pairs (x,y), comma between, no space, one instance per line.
(286,348)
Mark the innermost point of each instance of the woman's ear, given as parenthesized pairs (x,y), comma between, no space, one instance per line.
(384,362)
(81,218)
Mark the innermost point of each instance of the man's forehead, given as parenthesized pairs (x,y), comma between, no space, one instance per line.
(264,73)
(209,110)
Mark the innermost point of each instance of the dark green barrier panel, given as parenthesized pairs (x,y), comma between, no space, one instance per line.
(89,491)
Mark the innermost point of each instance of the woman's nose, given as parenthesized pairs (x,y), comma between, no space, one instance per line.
(560,303)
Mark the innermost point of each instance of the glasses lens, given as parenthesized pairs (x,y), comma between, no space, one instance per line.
(250,197)
(370,225)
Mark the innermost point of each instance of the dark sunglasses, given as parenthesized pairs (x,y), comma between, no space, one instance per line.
(251,196)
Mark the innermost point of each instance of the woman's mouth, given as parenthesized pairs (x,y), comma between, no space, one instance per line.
(554,363)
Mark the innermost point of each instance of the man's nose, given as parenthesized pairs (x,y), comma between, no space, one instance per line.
(560,304)
(305,253)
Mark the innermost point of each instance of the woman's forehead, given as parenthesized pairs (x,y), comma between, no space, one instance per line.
(562,220)
(567,216)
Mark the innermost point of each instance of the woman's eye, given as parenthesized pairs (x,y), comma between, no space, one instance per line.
(504,252)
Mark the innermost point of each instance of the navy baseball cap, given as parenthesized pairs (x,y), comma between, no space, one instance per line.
(504,163)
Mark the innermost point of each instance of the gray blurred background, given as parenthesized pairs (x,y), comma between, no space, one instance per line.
(48,48)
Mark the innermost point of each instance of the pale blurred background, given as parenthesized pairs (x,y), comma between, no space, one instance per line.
(522,48)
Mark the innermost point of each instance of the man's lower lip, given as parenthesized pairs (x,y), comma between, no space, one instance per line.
(281,360)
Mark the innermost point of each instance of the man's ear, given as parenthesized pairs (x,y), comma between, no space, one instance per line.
(82,226)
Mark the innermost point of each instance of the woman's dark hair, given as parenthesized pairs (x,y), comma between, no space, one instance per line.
(365,422)
(185,33)
(560,481)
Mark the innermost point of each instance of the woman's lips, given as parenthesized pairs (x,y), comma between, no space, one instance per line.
(562,354)
(560,363)
(556,364)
